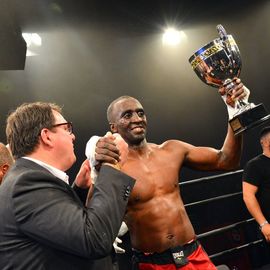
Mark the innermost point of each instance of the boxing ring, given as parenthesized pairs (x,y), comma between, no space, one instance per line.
(227,231)
(223,225)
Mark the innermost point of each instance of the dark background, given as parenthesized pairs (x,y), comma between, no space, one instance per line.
(94,51)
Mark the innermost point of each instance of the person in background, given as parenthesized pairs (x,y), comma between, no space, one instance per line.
(256,185)
(44,221)
(6,160)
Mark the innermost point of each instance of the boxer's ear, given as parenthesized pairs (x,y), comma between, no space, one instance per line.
(113,128)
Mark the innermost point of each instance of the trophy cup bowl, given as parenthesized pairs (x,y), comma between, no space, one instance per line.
(217,64)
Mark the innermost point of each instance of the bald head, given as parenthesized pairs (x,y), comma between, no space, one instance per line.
(111,108)
(126,116)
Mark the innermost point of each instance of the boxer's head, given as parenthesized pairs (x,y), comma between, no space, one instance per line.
(126,116)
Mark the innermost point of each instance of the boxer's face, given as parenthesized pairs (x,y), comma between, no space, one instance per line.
(129,121)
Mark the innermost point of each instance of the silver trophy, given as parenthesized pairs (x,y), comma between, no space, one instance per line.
(217,64)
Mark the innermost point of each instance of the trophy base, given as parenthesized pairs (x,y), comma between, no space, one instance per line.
(248,119)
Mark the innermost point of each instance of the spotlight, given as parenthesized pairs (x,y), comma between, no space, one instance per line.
(32,40)
(172,37)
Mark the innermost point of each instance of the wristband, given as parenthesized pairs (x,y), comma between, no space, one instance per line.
(90,152)
(263,224)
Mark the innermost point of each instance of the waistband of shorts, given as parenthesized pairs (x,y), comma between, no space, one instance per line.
(166,257)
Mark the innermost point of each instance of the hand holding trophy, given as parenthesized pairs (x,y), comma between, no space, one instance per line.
(218,64)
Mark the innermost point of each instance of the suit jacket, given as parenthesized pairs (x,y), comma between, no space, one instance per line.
(44,224)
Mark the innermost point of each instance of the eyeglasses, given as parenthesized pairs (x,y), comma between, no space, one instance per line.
(68,124)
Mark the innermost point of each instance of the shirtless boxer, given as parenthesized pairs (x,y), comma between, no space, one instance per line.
(160,230)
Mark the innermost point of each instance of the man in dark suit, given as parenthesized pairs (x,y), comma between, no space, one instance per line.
(44,223)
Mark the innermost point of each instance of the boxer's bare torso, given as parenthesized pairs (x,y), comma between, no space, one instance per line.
(156,216)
